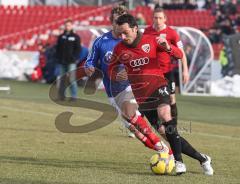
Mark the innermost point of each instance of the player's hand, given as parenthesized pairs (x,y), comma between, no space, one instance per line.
(186,77)
(163,42)
(121,76)
(89,71)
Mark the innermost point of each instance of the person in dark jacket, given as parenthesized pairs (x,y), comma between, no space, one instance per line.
(68,49)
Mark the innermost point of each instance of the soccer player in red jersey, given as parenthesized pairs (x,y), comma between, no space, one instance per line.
(159,28)
(120,94)
(138,53)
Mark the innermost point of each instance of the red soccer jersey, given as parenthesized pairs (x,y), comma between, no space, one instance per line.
(142,67)
(173,38)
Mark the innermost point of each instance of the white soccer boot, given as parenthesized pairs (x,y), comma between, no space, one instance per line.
(131,135)
(180,167)
(207,167)
(127,131)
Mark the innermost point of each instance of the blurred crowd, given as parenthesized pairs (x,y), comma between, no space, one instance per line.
(226,13)
(173,5)
(227,23)
(48,68)
(227,20)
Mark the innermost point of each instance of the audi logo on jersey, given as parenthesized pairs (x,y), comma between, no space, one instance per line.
(139,62)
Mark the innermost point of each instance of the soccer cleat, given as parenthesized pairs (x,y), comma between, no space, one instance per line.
(207,167)
(131,135)
(125,130)
(180,167)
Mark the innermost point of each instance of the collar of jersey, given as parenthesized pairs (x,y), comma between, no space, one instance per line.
(68,32)
(136,41)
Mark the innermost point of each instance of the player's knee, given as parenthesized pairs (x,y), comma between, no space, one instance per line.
(172,99)
(164,113)
(127,114)
(174,110)
(128,110)
(161,130)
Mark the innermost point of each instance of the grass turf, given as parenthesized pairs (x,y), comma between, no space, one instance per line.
(33,151)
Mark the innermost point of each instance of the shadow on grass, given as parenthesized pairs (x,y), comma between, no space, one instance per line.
(145,173)
(195,172)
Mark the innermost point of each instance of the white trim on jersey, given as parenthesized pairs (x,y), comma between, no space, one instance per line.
(180,44)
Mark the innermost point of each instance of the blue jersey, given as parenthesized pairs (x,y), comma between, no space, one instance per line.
(100,56)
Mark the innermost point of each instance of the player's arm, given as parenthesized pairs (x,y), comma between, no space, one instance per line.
(92,59)
(122,75)
(112,67)
(185,68)
(170,48)
(178,43)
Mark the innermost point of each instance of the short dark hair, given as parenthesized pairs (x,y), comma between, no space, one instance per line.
(118,10)
(127,18)
(68,21)
(159,10)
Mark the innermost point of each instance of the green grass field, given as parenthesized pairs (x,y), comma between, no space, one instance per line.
(33,151)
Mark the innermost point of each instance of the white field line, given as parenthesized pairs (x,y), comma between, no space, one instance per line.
(27,111)
(54,115)
(216,136)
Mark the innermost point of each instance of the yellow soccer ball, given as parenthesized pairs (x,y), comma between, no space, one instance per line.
(161,163)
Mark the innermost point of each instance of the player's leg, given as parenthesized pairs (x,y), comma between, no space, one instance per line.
(189,150)
(171,132)
(62,80)
(173,105)
(186,147)
(130,112)
(129,109)
(123,122)
(145,140)
(173,136)
(152,117)
(164,113)
(172,87)
(72,79)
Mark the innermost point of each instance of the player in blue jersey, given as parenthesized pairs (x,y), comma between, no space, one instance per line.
(119,92)
(99,58)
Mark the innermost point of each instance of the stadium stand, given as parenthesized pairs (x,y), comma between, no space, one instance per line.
(24,27)
(27,24)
